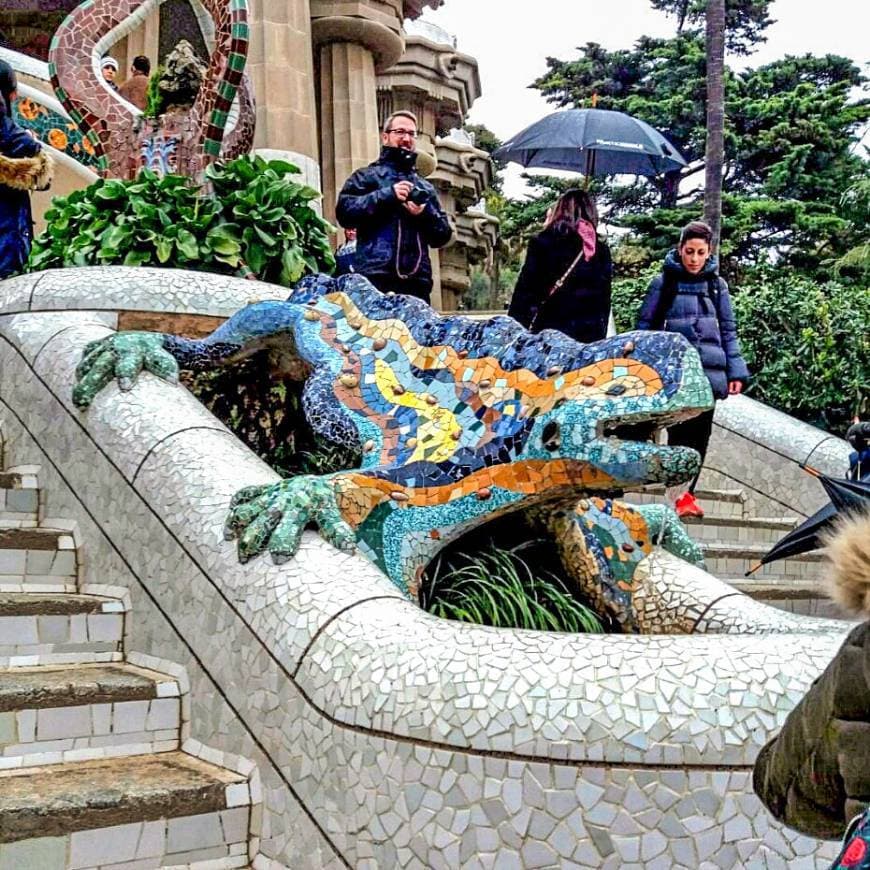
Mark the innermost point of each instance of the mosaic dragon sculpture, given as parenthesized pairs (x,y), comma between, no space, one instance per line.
(106,120)
(459,421)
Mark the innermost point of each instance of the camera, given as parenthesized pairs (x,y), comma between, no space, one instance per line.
(418,195)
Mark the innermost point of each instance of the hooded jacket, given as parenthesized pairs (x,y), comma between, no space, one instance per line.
(815,775)
(700,310)
(23,167)
(389,239)
(580,308)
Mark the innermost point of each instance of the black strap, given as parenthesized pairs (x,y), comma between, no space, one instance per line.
(670,288)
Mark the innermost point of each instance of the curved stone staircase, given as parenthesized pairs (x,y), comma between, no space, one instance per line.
(734,539)
(95,770)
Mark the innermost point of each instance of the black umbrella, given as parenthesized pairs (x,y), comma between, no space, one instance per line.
(593,142)
(846,496)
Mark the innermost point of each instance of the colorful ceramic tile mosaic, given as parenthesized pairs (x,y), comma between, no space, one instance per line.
(459,420)
(108,123)
(601,542)
(54,130)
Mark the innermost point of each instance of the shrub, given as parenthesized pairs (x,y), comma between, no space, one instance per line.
(807,346)
(628,295)
(258,216)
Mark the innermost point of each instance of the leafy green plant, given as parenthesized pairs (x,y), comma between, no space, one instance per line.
(154,102)
(150,221)
(807,345)
(258,216)
(498,587)
(627,297)
(264,209)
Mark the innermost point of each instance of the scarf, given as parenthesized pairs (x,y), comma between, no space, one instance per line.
(589,237)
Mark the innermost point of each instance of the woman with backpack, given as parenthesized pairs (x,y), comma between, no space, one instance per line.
(565,280)
(689,297)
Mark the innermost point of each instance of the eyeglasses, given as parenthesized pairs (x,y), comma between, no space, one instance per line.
(398,131)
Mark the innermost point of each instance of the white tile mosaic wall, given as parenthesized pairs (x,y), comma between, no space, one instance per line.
(386,737)
(760,449)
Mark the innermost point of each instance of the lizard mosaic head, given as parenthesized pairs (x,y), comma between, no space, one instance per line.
(459,419)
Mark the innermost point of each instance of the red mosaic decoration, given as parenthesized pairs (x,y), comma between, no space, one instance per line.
(110,126)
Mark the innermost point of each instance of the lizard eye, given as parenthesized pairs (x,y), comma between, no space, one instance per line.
(551,437)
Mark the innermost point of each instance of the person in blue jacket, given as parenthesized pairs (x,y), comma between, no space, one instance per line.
(396,214)
(23,167)
(689,297)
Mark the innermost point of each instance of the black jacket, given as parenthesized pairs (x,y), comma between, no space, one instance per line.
(581,307)
(390,240)
(815,774)
(16,225)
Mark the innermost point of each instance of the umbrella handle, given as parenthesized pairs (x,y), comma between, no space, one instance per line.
(810,470)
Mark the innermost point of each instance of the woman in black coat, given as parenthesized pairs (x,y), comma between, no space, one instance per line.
(565,281)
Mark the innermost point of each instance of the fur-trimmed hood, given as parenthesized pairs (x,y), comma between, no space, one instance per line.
(27,173)
(848,548)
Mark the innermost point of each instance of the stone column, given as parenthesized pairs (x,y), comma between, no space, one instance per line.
(348,116)
(145,39)
(281,68)
(350,50)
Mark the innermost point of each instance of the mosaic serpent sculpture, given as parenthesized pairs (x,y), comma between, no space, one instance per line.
(106,120)
(459,421)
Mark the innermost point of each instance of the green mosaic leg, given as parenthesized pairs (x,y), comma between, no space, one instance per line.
(121,356)
(665,528)
(273,517)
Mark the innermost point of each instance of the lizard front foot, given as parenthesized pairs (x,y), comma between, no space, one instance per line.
(273,517)
(122,356)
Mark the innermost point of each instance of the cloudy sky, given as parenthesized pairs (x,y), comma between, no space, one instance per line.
(511,40)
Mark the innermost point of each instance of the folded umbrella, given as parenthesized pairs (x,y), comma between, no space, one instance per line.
(846,496)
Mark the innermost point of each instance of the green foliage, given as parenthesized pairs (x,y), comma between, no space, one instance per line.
(268,220)
(154,101)
(745,20)
(499,587)
(628,296)
(807,345)
(790,134)
(855,209)
(258,216)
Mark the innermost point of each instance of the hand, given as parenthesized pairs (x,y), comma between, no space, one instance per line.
(401,189)
(735,388)
(414,208)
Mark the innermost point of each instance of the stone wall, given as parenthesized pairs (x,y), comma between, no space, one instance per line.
(385,736)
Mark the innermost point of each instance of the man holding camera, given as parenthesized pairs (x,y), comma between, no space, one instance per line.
(396,214)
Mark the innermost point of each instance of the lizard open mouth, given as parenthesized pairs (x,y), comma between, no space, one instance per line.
(643,427)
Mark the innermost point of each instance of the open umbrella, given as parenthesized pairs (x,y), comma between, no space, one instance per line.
(845,495)
(593,142)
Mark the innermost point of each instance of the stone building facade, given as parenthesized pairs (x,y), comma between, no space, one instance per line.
(326,73)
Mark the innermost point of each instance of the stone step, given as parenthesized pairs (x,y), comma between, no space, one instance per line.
(739,530)
(721,502)
(51,715)
(59,628)
(734,560)
(806,597)
(160,810)
(20,496)
(37,559)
